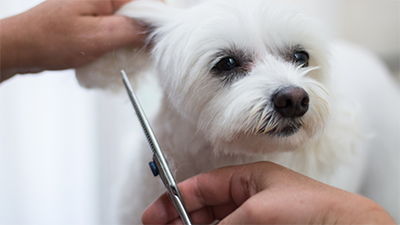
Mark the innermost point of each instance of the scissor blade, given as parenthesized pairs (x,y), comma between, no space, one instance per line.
(151,139)
(158,156)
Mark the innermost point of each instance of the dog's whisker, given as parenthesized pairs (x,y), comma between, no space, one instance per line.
(319,113)
(319,97)
(272,124)
(306,71)
(318,85)
(268,130)
(324,102)
(321,87)
(312,122)
(255,109)
(262,119)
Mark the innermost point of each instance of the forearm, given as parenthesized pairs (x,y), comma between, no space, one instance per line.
(20,52)
(58,35)
(10,44)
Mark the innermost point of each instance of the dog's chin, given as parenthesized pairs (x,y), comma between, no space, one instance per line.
(286,140)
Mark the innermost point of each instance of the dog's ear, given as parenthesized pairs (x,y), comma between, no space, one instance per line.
(105,72)
(150,13)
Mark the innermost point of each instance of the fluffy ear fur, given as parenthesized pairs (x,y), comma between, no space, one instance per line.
(152,13)
(105,72)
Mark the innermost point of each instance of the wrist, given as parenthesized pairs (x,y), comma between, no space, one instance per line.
(8,55)
(361,210)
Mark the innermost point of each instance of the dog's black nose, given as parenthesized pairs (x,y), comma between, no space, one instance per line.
(291,101)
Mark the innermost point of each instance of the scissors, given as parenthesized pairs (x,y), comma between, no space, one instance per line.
(159,165)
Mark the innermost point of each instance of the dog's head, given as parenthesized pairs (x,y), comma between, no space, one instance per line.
(250,74)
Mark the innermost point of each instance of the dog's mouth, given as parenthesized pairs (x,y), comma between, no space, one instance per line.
(273,124)
(284,129)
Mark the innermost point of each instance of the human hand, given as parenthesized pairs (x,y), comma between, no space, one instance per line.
(64,34)
(265,193)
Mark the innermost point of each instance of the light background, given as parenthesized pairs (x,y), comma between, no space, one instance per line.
(62,148)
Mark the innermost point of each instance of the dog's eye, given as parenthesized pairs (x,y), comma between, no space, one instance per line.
(226,64)
(301,58)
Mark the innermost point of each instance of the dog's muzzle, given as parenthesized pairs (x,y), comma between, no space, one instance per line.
(290,104)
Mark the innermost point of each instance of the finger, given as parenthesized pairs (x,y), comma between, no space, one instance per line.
(237,217)
(123,31)
(97,8)
(194,197)
(115,31)
(201,216)
(117,4)
(162,211)
(229,186)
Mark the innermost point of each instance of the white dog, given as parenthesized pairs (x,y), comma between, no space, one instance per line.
(246,81)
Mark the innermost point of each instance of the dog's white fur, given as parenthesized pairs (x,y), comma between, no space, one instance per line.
(208,120)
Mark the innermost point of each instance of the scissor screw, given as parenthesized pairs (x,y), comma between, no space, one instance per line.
(153,168)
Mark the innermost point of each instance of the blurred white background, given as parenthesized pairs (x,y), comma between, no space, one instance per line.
(62,147)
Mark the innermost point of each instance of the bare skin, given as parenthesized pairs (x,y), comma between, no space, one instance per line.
(64,34)
(265,193)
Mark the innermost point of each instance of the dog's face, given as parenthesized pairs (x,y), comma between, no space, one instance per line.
(250,74)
